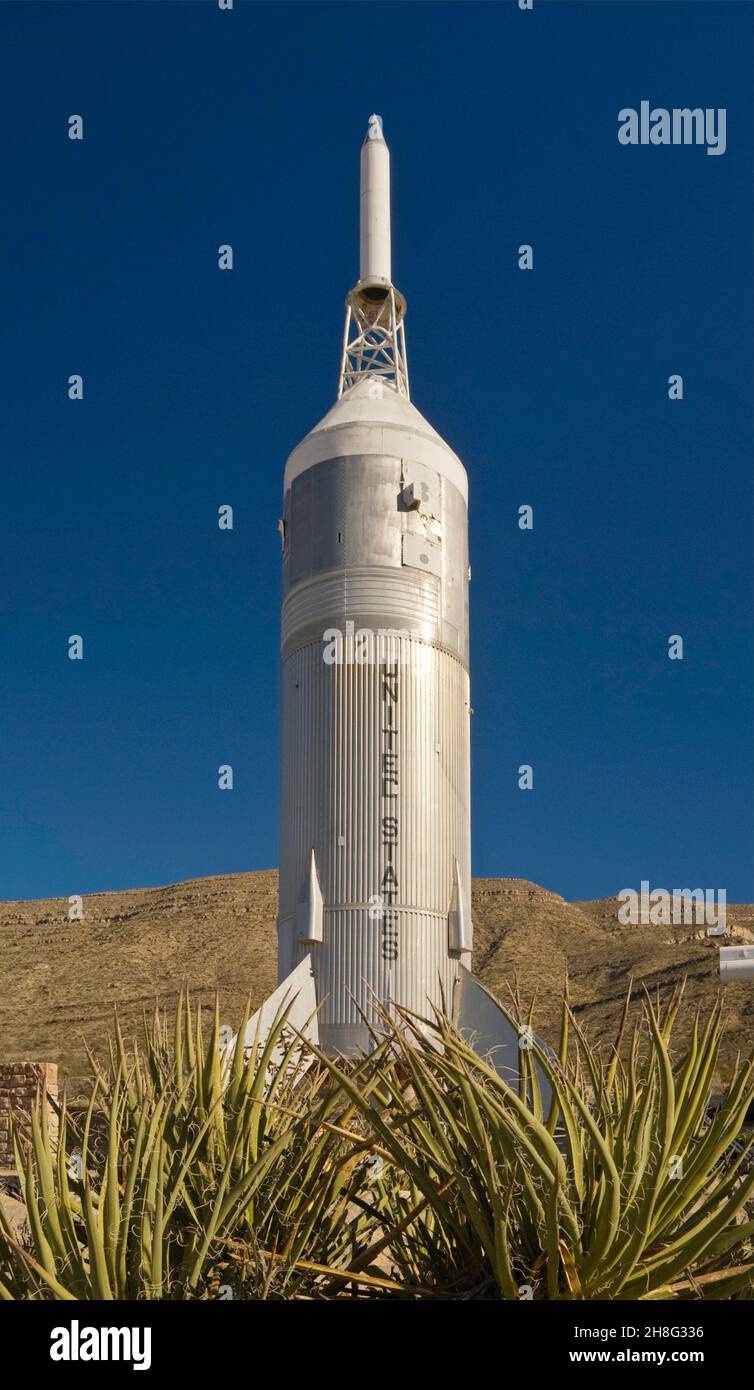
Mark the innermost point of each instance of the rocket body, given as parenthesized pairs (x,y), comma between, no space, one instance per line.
(375,723)
(374,901)
(375,820)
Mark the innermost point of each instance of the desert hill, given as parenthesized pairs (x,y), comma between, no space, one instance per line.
(61,980)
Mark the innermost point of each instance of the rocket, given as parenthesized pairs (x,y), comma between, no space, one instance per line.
(375,854)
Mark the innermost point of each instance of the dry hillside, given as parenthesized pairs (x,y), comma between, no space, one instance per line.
(62,980)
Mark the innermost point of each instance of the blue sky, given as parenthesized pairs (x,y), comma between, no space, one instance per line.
(204,127)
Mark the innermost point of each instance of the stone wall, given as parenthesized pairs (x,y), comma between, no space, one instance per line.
(19,1082)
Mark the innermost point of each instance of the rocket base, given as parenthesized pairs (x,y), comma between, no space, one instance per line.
(480,1020)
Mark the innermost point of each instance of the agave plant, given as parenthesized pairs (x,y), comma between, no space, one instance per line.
(626,1188)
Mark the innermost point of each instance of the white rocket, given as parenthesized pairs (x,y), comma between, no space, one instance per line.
(375,818)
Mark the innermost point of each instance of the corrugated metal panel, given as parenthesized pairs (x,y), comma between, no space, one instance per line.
(332,801)
(365,759)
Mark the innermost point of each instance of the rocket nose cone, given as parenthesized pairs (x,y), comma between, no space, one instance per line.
(374,130)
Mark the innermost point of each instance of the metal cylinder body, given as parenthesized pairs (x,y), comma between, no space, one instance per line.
(375,714)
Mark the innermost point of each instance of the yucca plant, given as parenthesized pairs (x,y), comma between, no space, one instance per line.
(416,1172)
(207,1172)
(626,1188)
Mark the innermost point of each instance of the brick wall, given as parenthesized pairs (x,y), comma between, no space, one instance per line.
(19,1082)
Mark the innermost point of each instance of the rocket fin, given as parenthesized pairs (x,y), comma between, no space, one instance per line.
(492,1033)
(297,990)
(460,928)
(309,908)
